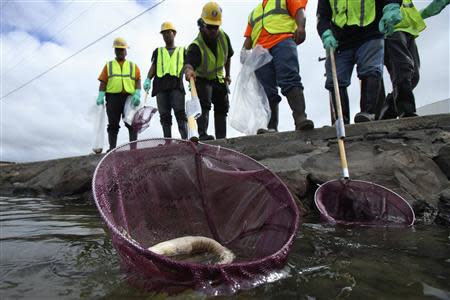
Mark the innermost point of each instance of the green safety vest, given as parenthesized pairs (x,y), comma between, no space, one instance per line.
(169,64)
(274,17)
(412,21)
(121,78)
(353,12)
(211,66)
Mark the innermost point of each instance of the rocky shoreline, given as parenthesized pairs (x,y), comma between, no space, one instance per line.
(410,156)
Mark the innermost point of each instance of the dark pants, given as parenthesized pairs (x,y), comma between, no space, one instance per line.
(403,63)
(168,100)
(115,104)
(212,92)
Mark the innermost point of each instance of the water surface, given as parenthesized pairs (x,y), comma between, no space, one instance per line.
(59,249)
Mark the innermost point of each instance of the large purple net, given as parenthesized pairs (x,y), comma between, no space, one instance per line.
(155,190)
(141,119)
(361,202)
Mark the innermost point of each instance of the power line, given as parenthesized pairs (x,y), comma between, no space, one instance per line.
(50,38)
(82,49)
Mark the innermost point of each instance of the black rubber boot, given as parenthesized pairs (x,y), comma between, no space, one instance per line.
(112,139)
(296,101)
(220,124)
(344,104)
(404,98)
(182,128)
(132,135)
(167,131)
(389,109)
(370,90)
(272,126)
(202,123)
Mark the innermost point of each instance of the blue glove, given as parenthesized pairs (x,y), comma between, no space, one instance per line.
(328,40)
(100,98)
(434,8)
(136,97)
(391,16)
(147,84)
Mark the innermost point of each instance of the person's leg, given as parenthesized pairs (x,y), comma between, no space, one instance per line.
(177,103)
(402,63)
(221,106)
(345,60)
(114,109)
(164,108)
(266,76)
(285,62)
(369,66)
(204,90)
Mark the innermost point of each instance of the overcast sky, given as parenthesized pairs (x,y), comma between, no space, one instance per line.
(50,118)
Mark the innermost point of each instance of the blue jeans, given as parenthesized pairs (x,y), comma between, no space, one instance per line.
(282,71)
(369,60)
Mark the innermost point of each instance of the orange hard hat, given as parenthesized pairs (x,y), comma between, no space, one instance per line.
(212,14)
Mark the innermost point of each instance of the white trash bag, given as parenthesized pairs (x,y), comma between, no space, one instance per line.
(130,110)
(249,109)
(99,128)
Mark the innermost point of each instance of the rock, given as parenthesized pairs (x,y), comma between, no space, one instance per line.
(409,156)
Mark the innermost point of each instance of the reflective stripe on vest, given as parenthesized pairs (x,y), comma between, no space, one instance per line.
(412,21)
(169,64)
(274,17)
(121,78)
(356,12)
(211,66)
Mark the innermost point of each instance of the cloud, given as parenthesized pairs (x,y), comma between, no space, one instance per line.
(49,118)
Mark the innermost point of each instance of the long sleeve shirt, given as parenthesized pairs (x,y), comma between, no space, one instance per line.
(350,36)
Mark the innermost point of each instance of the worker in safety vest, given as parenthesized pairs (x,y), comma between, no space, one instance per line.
(402,61)
(167,64)
(354,29)
(279,26)
(119,79)
(208,62)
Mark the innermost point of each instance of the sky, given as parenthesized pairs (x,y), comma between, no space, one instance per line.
(51,117)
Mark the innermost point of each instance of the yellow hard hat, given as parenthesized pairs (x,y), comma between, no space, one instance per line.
(120,43)
(212,14)
(167,26)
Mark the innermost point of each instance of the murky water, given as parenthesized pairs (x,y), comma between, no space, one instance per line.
(59,249)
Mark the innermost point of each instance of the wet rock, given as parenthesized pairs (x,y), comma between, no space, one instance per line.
(443,216)
(443,160)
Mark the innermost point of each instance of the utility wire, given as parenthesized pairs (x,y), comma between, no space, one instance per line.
(32,54)
(82,49)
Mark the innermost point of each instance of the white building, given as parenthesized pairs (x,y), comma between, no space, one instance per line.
(439,107)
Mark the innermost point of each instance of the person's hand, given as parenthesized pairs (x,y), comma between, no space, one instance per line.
(299,35)
(391,16)
(189,73)
(328,40)
(434,8)
(100,98)
(147,85)
(136,97)
(227,79)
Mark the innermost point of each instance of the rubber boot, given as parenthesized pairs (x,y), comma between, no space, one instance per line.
(220,124)
(112,139)
(370,89)
(182,128)
(273,122)
(404,99)
(389,109)
(167,131)
(344,104)
(296,101)
(202,123)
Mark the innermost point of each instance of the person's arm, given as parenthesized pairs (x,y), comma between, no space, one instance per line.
(248,43)
(434,8)
(323,14)
(152,71)
(102,86)
(300,32)
(137,85)
(192,61)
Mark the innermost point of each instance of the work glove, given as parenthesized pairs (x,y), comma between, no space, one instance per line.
(100,98)
(147,85)
(136,97)
(328,40)
(434,8)
(391,16)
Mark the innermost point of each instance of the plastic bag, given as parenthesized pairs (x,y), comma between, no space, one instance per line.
(99,128)
(130,110)
(249,109)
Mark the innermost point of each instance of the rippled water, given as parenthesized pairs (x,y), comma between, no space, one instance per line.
(59,249)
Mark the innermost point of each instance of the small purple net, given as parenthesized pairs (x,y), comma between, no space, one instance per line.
(361,202)
(141,119)
(155,190)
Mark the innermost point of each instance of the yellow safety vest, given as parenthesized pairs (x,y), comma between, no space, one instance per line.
(211,66)
(121,78)
(412,21)
(274,17)
(169,64)
(355,12)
